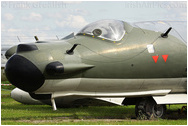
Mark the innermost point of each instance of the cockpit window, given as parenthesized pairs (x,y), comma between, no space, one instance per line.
(107,29)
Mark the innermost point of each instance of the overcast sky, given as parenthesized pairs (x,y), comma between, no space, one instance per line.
(48,19)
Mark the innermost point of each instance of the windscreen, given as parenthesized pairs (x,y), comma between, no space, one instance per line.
(108,29)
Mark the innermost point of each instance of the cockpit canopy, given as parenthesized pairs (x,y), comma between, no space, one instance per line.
(107,29)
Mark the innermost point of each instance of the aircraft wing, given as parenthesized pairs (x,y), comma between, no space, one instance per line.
(171,99)
(167,99)
(111,94)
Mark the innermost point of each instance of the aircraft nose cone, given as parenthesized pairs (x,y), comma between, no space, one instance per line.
(23,74)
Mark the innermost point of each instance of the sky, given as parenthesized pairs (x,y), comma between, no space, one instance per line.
(20,21)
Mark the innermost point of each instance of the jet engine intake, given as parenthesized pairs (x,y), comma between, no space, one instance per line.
(54,68)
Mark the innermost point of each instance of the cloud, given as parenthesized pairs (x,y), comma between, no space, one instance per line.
(2,26)
(66,12)
(33,17)
(8,16)
(81,12)
(72,21)
(176,10)
(57,15)
(13,30)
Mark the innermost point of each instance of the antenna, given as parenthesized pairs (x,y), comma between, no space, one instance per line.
(36,38)
(57,37)
(18,39)
(165,35)
(71,51)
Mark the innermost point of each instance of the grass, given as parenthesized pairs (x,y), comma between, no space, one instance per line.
(14,113)
(5,82)
(10,87)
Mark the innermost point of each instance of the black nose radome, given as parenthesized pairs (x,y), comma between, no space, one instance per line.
(23,74)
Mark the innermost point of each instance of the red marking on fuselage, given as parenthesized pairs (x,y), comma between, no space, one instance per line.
(155,58)
(165,57)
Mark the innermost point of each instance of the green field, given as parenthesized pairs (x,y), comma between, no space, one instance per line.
(14,113)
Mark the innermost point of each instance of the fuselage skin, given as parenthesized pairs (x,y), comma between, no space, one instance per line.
(118,67)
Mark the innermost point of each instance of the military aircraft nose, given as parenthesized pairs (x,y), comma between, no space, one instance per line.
(23,74)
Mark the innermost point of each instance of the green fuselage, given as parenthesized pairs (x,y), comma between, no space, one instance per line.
(116,66)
